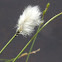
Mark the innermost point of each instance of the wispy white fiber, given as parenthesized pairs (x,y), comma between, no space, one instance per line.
(30,18)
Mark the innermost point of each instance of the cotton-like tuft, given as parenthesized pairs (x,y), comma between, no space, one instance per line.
(30,18)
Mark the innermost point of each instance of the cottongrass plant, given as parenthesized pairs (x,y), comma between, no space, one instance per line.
(30,18)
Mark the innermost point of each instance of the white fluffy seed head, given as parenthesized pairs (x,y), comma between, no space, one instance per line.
(30,18)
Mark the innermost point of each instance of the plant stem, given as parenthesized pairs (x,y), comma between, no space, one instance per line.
(50,21)
(31,48)
(32,44)
(7,43)
(23,49)
(35,35)
(44,12)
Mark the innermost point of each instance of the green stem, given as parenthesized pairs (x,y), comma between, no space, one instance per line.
(31,48)
(32,44)
(35,36)
(23,49)
(50,21)
(7,44)
(44,12)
